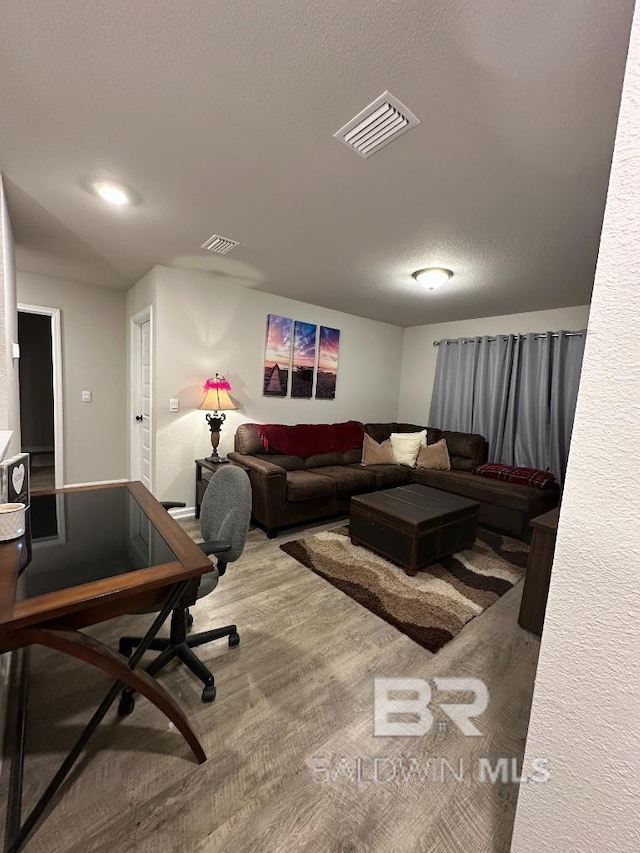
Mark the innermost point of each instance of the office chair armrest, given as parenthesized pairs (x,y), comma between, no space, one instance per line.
(173,504)
(214,547)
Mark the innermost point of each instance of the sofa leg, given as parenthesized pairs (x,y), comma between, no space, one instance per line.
(271,532)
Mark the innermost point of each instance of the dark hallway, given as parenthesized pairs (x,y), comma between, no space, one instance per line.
(36,397)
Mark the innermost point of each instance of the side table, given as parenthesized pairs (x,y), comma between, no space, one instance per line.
(536,582)
(205,469)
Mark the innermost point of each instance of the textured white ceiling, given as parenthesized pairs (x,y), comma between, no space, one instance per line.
(220,117)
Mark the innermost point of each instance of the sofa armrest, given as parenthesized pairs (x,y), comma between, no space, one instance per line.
(255,463)
(268,487)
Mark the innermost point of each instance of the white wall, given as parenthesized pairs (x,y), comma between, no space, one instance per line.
(419,355)
(94,359)
(9,388)
(203,325)
(9,373)
(586,708)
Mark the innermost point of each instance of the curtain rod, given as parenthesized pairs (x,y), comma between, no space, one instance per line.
(505,337)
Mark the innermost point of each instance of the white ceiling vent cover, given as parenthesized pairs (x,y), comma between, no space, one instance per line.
(377,125)
(220,245)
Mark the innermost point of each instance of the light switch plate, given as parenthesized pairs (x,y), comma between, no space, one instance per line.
(174,404)
(86,396)
(15,350)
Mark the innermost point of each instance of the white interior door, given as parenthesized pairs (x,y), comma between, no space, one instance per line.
(142,434)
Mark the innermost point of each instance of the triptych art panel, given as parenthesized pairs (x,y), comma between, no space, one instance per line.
(277,356)
(299,356)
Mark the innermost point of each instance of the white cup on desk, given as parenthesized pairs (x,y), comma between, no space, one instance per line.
(12,521)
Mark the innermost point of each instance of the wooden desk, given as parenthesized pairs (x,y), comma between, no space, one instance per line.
(107,551)
(536,582)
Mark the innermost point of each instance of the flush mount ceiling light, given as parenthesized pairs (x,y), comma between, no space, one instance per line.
(112,193)
(433,277)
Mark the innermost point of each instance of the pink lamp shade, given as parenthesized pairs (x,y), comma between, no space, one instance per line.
(216,395)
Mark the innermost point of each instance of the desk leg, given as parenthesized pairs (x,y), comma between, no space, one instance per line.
(92,651)
(19,725)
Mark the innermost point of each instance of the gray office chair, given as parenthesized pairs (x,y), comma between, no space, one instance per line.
(225,514)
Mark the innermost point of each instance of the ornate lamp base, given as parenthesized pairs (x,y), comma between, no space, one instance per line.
(215,422)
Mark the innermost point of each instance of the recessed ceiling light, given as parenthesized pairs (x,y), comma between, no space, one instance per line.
(112,193)
(433,277)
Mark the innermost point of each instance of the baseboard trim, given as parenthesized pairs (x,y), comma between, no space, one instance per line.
(183,512)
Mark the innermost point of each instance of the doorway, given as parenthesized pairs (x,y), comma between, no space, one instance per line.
(141,442)
(40,377)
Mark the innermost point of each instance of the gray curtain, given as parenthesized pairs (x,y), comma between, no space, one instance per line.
(566,367)
(519,391)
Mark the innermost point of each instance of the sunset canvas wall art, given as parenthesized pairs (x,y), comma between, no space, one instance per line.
(277,356)
(328,348)
(304,359)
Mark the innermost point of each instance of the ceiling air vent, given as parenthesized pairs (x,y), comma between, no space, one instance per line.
(220,245)
(377,125)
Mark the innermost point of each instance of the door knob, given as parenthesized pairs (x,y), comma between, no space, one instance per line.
(139,418)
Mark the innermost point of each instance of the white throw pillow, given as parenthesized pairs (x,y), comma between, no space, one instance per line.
(406,446)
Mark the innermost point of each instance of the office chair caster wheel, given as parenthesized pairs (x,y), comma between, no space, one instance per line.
(234,639)
(189,620)
(125,649)
(209,693)
(126,704)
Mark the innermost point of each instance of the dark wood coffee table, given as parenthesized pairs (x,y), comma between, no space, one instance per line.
(413,525)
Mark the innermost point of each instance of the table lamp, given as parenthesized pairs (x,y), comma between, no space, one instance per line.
(216,400)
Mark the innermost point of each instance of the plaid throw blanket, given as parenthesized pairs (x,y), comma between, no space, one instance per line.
(512,474)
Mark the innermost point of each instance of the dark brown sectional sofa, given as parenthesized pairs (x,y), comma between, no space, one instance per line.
(291,489)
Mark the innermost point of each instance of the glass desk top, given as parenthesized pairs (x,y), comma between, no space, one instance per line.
(84,536)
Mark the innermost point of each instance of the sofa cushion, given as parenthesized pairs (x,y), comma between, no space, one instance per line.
(432,434)
(381,432)
(349,479)
(319,460)
(406,446)
(466,449)
(305,486)
(289,463)
(434,457)
(390,475)
(377,454)
(247,440)
(522,498)
(352,456)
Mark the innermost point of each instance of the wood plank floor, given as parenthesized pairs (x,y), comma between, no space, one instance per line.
(42,478)
(295,696)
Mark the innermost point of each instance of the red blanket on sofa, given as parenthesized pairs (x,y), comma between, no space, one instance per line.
(513,474)
(310,439)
